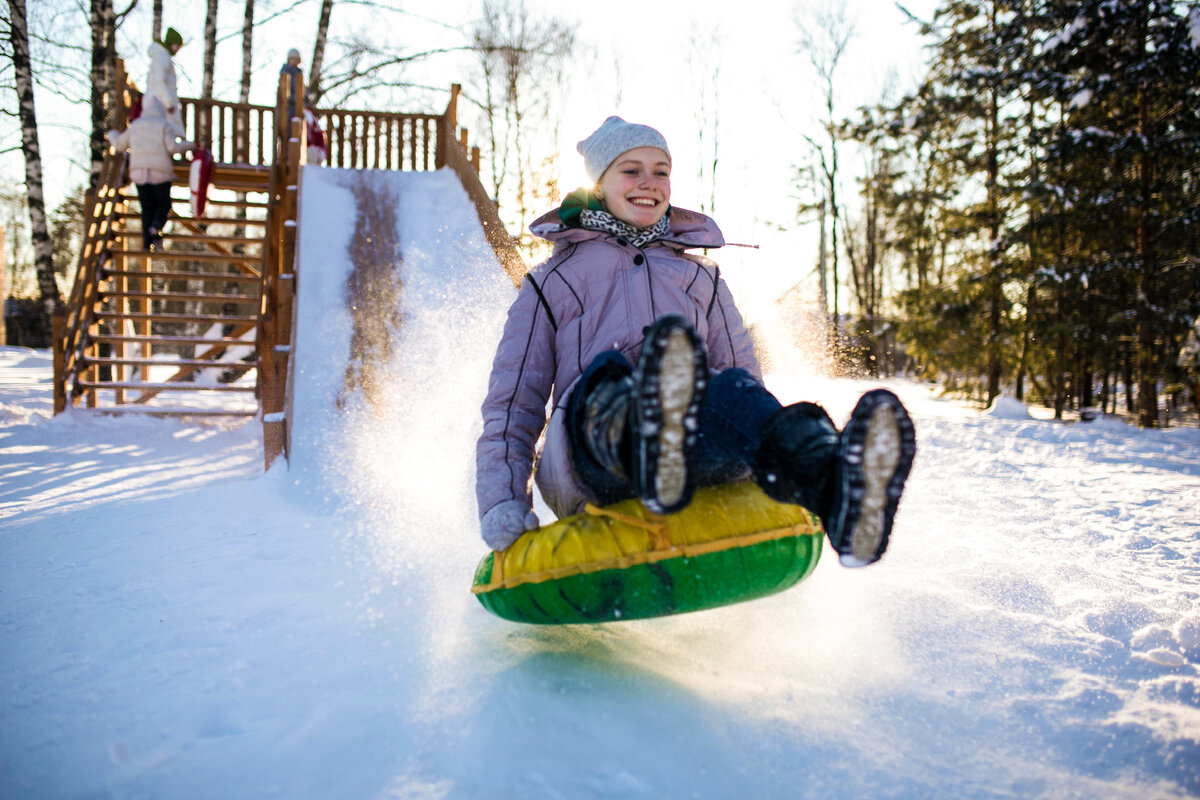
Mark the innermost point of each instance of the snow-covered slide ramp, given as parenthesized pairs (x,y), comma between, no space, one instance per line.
(399,300)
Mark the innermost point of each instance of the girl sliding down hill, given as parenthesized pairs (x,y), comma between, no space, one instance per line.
(653,378)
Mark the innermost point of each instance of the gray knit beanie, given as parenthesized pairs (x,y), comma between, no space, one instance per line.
(614,137)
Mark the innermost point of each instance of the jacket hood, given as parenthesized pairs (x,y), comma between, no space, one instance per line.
(152,108)
(687,228)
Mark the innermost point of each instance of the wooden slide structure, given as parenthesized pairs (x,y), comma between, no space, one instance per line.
(203,326)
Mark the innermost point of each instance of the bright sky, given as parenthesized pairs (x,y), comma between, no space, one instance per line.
(638,58)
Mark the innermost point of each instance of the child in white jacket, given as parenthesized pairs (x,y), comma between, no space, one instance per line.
(161,82)
(152,140)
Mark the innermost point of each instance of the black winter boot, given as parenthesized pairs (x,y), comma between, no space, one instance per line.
(670,378)
(875,455)
(796,453)
(605,423)
(852,480)
(599,428)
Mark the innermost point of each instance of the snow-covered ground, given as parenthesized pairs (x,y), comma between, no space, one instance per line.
(177,623)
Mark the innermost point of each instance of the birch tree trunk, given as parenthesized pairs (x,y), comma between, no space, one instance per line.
(40,236)
(3,288)
(156,33)
(313,95)
(247,51)
(103,20)
(210,50)
(243,118)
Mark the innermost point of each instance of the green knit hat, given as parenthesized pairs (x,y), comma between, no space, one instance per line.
(173,37)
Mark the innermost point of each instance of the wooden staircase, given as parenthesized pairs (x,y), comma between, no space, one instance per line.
(178,328)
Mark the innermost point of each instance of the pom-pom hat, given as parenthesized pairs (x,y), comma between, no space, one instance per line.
(614,137)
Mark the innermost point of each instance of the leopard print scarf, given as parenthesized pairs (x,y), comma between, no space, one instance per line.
(638,237)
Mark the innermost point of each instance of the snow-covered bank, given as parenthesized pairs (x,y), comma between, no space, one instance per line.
(176,624)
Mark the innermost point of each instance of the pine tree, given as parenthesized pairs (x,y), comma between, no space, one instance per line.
(1130,145)
(1046,181)
(962,121)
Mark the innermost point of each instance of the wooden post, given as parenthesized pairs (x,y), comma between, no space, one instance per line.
(119,373)
(58,327)
(446,125)
(274,438)
(274,341)
(120,106)
(283,125)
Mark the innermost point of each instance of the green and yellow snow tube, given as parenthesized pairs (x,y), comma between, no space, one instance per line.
(732,543)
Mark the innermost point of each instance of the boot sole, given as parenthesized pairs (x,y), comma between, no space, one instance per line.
(673,384)
(671,475)
(880,448)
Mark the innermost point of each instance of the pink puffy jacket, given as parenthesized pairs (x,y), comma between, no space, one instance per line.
(596,292)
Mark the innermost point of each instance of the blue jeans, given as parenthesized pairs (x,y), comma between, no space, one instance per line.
(734,410)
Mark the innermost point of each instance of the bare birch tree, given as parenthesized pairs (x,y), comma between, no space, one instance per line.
(314,90)
(521,58)
(43,253)
(247,51)
(704,64)
(3,288)
(156,31)
(210,50)
(104,51)
(825,32)
(243,120)
(105,22)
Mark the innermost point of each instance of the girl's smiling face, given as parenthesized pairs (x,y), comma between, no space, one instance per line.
(636,188)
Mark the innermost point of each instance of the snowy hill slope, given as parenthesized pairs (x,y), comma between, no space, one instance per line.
(174,623)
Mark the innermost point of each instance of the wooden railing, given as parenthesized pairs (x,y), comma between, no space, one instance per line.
(279,279)
(238,133)
(235,133)
(452,153)
(78,318)
(368,140)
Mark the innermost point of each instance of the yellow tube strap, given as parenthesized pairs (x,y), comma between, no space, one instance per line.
(658,530)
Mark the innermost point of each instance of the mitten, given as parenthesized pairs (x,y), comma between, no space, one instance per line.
(504,523)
